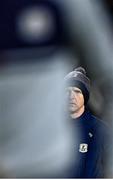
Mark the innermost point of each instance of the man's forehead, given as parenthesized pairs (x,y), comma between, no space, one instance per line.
(73,88)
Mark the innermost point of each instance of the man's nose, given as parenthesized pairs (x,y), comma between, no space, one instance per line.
(71,95)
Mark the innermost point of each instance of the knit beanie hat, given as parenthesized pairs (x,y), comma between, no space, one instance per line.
(78,78)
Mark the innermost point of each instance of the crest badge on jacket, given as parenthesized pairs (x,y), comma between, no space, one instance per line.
(83,148)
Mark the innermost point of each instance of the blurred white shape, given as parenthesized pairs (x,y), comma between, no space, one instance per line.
(35,24)
(35,137)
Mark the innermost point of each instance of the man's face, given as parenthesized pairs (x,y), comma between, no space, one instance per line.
(75,99)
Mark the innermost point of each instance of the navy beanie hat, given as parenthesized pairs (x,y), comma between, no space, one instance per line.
(78,78)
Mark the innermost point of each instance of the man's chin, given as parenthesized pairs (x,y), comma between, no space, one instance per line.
(72,110)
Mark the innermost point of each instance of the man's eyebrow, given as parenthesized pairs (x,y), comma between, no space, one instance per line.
(77,90)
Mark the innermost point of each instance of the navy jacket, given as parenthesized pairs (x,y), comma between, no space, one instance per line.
(92,148)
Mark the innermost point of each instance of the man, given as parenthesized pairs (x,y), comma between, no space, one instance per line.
(93,140)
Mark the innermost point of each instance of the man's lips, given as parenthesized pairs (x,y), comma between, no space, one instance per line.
(72,103)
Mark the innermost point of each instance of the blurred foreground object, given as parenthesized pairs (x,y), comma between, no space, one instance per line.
(31,34)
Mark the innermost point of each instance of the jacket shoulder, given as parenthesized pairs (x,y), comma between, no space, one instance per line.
(100,126)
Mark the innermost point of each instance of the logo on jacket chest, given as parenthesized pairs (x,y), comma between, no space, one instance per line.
(83,148)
